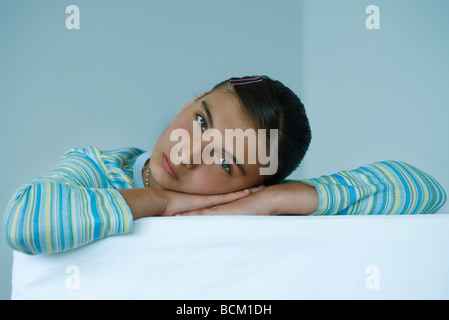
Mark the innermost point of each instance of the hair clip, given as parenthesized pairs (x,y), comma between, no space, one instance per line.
(239,82)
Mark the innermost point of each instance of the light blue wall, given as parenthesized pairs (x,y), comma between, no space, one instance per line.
(377,94)
(370,94)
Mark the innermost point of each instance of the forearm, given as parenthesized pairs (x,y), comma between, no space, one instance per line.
(74,204)
(387,187)
(49,217)
(145,202)
(295,198)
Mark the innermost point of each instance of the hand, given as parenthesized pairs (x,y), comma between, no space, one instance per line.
(290,198)
(177,203)
(151,202)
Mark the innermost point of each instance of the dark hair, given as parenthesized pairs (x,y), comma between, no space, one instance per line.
(274,106)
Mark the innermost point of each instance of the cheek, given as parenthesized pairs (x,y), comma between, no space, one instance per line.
(207,180)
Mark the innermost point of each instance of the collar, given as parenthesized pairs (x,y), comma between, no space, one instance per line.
(138,167)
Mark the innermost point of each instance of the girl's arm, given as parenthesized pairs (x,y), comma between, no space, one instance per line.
(75,204)
(158,202)
(388,187)
(90,196)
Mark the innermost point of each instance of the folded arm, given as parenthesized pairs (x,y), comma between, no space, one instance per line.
(388,187)
(75,204)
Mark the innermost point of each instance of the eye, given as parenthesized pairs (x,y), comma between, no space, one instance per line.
(226,166)
(201,121)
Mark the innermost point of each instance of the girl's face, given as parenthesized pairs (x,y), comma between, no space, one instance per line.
(220,110)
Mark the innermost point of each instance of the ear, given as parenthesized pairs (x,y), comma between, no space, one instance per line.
(197,98)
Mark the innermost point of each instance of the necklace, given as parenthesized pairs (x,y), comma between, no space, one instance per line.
(147,178)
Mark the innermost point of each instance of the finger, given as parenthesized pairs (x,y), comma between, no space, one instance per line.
(255,189)
(187,202)
(198,212)
(225,209)
(206,212)
(218,199)
(192,213)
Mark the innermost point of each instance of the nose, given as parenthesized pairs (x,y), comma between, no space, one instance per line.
(194,157)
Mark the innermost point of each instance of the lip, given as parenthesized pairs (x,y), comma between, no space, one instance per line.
(168,166)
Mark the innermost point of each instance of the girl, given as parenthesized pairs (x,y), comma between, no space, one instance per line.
(93,194)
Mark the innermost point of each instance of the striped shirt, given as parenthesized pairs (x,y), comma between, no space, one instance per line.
(78,202)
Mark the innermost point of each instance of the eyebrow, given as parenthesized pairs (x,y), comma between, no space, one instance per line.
(210,120)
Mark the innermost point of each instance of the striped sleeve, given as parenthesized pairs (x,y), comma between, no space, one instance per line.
(75,204)
(387,187)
